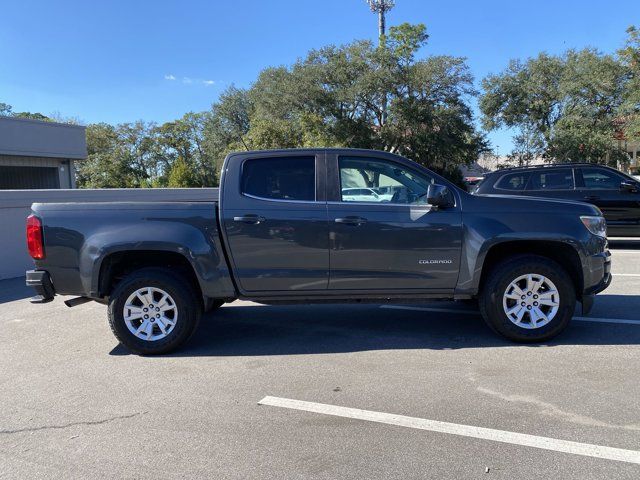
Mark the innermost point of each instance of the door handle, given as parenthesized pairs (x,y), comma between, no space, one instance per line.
(249,219)
(591,198)
(357,221)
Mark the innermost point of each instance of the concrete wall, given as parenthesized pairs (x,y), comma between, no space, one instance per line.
(35,138)
(15,206)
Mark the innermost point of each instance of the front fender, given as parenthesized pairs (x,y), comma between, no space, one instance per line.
(475,253)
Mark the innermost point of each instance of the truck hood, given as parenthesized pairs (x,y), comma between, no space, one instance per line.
(515,203)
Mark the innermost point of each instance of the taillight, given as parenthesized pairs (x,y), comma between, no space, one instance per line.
(35,245)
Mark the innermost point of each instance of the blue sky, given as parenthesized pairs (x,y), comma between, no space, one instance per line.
(119,61)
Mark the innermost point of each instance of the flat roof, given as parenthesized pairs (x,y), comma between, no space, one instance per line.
(38,138)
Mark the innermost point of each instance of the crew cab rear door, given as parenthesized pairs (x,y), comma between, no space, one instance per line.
(274,214)
(552,182)
(397,242)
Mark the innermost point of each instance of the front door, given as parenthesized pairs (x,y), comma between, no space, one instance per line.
(276,226)
(390,238)
(621,209)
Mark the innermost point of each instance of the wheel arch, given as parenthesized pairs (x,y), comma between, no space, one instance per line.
(562,253)
(118,264)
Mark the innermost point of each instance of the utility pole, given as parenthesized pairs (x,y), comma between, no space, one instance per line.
(381,7)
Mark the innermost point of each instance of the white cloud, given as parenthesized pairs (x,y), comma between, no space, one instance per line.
(191,81)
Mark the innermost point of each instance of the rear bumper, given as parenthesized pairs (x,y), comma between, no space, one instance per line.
(41,282)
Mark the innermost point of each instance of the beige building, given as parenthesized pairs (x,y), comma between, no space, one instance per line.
(633,150)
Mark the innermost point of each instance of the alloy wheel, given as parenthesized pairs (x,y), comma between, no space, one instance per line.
(531,301)
(150,313)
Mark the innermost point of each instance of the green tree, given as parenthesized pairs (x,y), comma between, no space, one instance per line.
(366,96)
(143,154)
(118,157)
(31,115)
(384,97)
(102,168)
(228,122)
(564,107)
(181,175)
(5,109)
(184,141)
(630,110)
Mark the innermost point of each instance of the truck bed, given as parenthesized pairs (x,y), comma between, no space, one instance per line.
(80,235)
(125,195)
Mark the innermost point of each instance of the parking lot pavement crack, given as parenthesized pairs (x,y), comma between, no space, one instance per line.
(554,411)
(72,424)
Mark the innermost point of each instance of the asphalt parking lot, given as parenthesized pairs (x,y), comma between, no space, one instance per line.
(76,405)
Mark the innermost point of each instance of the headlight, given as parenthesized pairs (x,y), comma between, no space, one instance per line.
(596,225)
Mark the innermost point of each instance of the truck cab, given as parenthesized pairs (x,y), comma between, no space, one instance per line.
(293,230)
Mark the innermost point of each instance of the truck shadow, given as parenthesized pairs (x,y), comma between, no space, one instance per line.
(293,330)
(624,244)
(14,289)
(616,306)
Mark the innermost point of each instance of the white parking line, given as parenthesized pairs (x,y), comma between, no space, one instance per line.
(503,436)
(626,275)
(623,321)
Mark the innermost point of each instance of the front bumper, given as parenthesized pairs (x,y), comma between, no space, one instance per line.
(41,282)
(598,273)
(597,277)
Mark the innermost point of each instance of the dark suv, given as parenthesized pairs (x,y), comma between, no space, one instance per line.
(615,193)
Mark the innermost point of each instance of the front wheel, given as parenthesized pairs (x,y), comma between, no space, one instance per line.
(528,299)
(153,311)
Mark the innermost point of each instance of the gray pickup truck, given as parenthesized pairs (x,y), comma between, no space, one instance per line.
(315,226)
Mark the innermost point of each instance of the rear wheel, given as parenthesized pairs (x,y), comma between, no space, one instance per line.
(153,311)
(528,299)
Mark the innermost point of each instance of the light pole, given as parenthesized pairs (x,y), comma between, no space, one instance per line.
(381,7)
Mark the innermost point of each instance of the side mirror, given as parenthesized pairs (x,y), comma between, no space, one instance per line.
(628,186)
(438,196)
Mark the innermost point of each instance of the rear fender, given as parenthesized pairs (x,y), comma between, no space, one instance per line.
(200,248)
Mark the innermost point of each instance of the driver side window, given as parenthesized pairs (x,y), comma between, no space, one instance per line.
(600,179)
(373,180)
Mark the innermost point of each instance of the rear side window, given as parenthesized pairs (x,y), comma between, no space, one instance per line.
(600,179)
(513,181)
(289,178)
(547,179)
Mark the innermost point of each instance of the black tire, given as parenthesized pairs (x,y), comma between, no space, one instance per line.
(187,304)
(499,279)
